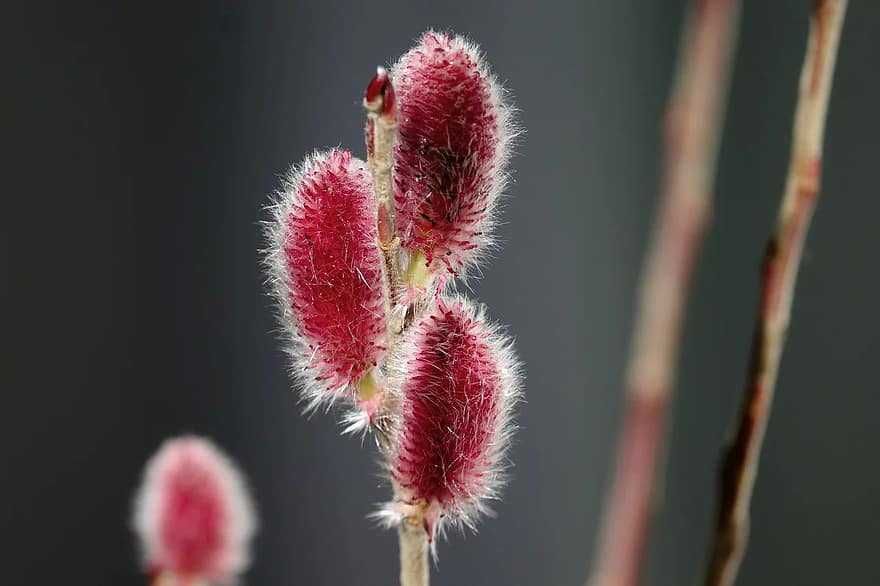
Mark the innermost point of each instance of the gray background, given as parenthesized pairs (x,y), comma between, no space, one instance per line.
(143,141)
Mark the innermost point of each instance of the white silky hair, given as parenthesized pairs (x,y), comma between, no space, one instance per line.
(303,363)
(507,132)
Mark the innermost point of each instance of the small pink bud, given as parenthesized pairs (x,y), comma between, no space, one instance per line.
(456,381)
(193,514)
(327,273)
(379,95)
(451,152)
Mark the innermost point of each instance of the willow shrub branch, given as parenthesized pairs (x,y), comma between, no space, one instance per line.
(779,275)
(380,131)
(381,127)
(694,117)
(361,257)
(414,567)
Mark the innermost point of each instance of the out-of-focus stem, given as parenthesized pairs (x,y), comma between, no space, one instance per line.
(779,275)
(169,579)
(694,118)
(414,568)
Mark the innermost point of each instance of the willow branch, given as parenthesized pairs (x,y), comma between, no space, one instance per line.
(379,134)
(779,275)
(414,569)
(694,118)
(380,131)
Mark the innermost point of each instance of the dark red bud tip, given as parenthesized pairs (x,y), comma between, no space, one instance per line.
(390,101)
(376,87)
(379,96)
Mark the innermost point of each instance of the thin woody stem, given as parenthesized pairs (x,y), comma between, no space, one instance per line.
(694,116)
(414,568)
(779,275)
(379,102)
(380,132)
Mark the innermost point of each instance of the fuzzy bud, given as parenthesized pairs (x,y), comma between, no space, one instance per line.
(452,149)
(327,274)
(456,381)
(193,514)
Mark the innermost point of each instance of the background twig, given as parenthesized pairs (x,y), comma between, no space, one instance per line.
(779,274)
(693,120)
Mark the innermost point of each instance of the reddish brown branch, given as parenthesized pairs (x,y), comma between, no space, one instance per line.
(778,277)
(693,121)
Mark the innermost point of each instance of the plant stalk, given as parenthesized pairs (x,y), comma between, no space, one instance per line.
(380,132)
(778,279)
(694,117)
(414,568)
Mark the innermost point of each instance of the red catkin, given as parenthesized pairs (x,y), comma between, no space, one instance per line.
(193,514)
(327,273)
(456,383)
(454,133)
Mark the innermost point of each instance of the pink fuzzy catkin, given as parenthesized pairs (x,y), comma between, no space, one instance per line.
(193,514)
(327,273)
(456,382)
(454,134)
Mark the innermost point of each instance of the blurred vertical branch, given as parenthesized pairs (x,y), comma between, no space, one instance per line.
(779,274)
(694,117)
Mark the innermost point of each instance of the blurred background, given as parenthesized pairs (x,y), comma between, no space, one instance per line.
(143,141)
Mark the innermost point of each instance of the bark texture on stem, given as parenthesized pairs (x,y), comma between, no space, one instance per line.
(778,277)
(694,117)
(414,568)
(380,131)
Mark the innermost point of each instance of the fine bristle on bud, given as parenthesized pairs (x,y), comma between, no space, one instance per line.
(451,153)
(327,274)
(193,514)
(456,381)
